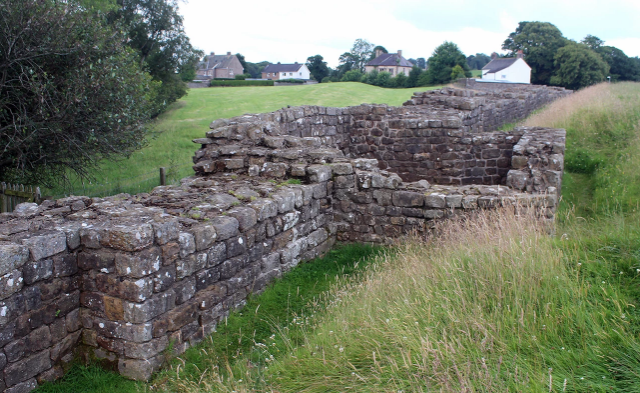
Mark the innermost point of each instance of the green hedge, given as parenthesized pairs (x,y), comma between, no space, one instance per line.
(290,80)
(235,83)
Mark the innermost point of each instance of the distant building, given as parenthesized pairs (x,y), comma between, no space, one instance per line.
(506,70)
(219,66)
(392,63)
(286,71)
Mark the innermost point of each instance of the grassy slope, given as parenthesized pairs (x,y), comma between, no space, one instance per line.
(189,118)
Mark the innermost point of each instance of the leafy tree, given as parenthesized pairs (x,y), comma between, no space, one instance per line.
(71,92)
(255,69)
(371,77)
(422,63)
(242,61)
(414,76)
(375,50)
(400,80)
(457,72)
(352,76)
(359,55)
(317,67)
(539,41)
(592,41)
(156,33)
(383,79)
(441,64)
(578,66)
(477,61)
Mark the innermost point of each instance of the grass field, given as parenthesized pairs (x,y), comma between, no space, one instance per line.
(189,118)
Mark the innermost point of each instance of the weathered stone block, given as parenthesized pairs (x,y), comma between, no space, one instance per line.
(138,264)
(226,227)
(165,230)
(217,254)
(137,369)
(204,235)
(246,217)
(319,173)
(236,246)
(175,319)
(46,245)
(435,200)
(102,260)
(131,237)
(122,330)
(187,244)
(36,271)
(407,199)
(191,264)
(65,265)
(18,372)
(12,257)
(10,283)
(164,278)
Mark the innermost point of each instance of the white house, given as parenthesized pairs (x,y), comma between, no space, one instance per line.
(286,71)
(506,70)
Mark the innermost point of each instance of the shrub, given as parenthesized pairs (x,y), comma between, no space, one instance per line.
(236,83)
(291,80)
(352,76)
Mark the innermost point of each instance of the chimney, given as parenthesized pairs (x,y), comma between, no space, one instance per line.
(399,53)
(212,53)
(278,62)
(295,62)
(520,54)
(228,53)
(378,52)
(494,55)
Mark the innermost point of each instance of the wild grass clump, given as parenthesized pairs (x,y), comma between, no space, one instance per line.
(602,164)
(490,304)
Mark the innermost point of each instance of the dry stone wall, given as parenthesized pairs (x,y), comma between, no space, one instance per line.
(121,279)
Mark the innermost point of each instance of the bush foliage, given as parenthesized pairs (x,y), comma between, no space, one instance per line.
(237,83)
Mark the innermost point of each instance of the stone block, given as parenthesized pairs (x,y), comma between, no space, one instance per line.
(138,369)
(102,260)
(12,257)
(341,168)
(246,217)
(10,283)
(204,235)
(187,244)
(146,350)
(18,372)
(206,278)
(138,264)
(164,278)
(65,345)
(265,208)
(453,201)
(46,245)
(170,252)
(122,330)
(408,199)
(184,290)
(23,387)
(226,227)
(38,270)
(131,237)
(236,246)
(165,230)
(175,319)
(65,265)
(319,173)
(435,200)
(517,179)
(217,254)
(191,264)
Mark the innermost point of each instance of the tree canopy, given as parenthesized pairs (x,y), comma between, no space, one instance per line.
(71,92)
(156,33)
(318,67)
(477,61)
(442,62)
(539,41)
(578,66)
(359,55)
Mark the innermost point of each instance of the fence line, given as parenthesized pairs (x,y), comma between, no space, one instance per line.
(141,183)
(13,194)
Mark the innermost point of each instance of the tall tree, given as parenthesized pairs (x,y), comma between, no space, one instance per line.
(445,57)
(414,76)
(242,61)
(375,50)
(358,56)
(477,61)
(539,41)
(156,33)
(317,67)
(422,63)
(71,92)
(592,41)
(578,66)
(621,66)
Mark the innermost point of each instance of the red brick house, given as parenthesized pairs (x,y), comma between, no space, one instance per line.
(219,66)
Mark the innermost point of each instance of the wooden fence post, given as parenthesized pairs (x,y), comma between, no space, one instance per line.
(163,178)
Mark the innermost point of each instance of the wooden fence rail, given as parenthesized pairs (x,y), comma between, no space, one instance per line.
(13,194)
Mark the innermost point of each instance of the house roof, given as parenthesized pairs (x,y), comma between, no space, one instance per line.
(499,64)
(282,67)
(390,59)
(217,61)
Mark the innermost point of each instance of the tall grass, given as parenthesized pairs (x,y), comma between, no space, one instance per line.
(602,163)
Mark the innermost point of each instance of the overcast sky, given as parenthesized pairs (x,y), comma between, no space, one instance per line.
(290,31)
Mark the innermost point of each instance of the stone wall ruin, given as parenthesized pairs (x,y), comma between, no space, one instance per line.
(120,278)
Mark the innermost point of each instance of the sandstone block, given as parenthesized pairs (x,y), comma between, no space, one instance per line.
(146,350)
(36,271)
(65,265)
(217,254)
(126,331)
(246,217)
(191,264)
(18,372)
(453,201)
(10,283)
(138,264)
(204,235)
(138,369)
(319,173)
(102,260)
(226,227)
(265,208)
(127,237)
(46,245)
(435,200)
(165,231)
(408,199)
(12,257)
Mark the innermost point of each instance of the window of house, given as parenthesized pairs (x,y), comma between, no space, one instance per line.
(381,69)
(504,76)
(391,71)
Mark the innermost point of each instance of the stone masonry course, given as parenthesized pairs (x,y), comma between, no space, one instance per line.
(123,278)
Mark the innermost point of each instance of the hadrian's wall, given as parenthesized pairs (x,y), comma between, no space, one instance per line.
(120,278)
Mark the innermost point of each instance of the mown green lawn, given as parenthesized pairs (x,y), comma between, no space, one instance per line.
(189,118)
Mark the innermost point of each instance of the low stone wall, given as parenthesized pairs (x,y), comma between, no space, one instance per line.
(120,278)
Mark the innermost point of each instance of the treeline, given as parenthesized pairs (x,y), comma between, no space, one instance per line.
(556,60)
(80,80)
